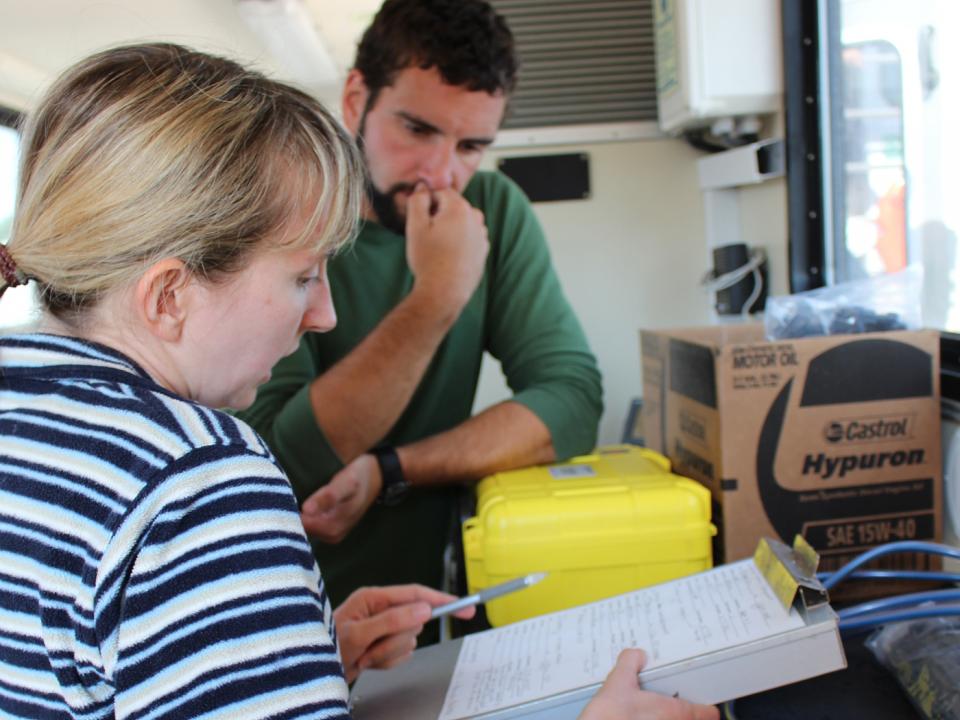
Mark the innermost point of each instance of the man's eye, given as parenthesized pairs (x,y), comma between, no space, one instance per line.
(418,130)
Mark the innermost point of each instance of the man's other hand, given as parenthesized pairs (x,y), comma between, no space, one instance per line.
(332,511)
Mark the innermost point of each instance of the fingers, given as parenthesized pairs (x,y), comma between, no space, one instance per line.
(330,525)
(465,613)
(675,709)
(342,488)
(321,501)
(379,625)
(396,619)
(389,652)
(447,246)
(311,525)
(705,712)
(386,636)
(623,678)
(629,664)
(367,601)
(380,598)
(621,697)
(446,199)
(331,512)
(327,527)
(420,202)
(435,598)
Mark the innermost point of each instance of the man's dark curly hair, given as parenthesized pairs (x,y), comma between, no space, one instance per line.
(466,40)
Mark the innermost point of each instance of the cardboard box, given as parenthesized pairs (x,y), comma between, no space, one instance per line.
(599,525)
(836,438)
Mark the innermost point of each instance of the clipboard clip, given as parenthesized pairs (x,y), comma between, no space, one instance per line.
(791,573)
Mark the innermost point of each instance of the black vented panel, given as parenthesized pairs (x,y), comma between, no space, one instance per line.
(582,62)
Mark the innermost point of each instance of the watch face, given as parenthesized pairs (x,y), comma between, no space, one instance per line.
(394,493)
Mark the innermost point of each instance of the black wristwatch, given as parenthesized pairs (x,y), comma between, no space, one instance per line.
(395,487)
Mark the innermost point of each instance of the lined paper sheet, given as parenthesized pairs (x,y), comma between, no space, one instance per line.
(536,658)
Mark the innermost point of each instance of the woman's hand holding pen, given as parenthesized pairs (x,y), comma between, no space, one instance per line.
(378,626)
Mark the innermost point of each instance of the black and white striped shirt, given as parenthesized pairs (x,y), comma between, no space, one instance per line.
(152,560)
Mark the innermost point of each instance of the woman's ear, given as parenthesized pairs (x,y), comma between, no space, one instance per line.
(161,297)
(354,100)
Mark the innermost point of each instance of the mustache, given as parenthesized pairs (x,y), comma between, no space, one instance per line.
(398,188)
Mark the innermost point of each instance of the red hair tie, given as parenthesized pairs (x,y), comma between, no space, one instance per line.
(8,268)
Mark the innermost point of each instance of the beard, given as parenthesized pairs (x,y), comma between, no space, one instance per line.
(382,202)
(384,205)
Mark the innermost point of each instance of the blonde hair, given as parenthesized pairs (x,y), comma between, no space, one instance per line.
(151,151)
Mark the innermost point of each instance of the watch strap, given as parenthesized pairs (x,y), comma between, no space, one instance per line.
(394,485)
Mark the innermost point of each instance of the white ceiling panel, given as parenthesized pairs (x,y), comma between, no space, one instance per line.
(39,38)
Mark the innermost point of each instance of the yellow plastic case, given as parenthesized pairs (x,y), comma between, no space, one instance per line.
(600,525)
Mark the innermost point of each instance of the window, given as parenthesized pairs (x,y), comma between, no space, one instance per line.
(873,153)
(9,146)
(873,173)
(18,305)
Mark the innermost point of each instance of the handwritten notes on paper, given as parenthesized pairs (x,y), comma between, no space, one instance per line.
(543,656)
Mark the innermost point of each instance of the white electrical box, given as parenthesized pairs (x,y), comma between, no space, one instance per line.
(716,59)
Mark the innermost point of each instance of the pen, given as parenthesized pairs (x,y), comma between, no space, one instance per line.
(488,594)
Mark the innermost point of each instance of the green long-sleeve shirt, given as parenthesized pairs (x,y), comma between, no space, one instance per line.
(518,313)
